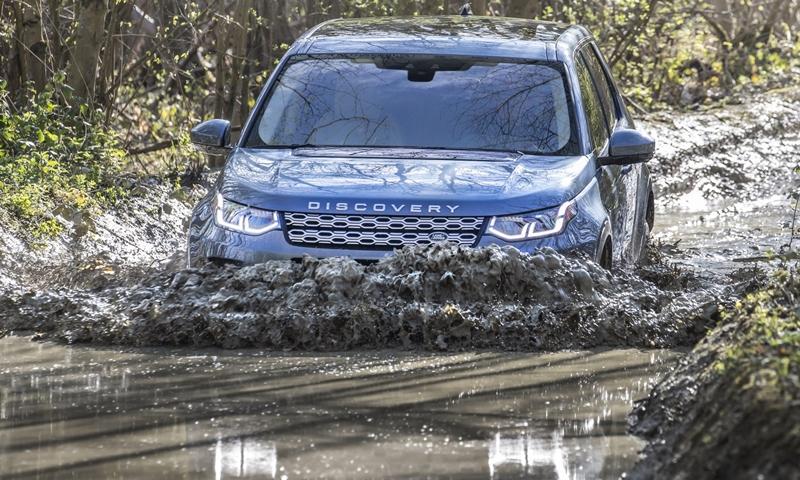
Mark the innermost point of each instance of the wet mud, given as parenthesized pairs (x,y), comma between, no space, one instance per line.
(730,408)
(440,297)
(719,210)
(144,233)
(723,178)
(732,152)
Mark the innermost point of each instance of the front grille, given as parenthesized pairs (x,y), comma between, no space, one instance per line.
(379,232)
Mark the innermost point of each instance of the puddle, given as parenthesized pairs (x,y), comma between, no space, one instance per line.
(727,236)
(159,413)
(720,224)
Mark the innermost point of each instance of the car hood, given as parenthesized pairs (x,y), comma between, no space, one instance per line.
(401,181)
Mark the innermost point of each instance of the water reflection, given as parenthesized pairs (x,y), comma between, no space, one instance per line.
(528,455)
(462,104)
(532,456)
(247,414)
(245,458)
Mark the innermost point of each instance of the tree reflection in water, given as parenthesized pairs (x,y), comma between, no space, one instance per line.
(530,455)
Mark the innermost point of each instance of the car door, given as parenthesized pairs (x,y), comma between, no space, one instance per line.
(621,182)
(611,189)
(628,177)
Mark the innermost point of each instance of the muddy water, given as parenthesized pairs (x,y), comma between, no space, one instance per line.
(727,211)
(728,235)
(75,412)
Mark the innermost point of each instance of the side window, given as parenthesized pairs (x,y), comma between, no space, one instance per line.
(591,105)
(603,87)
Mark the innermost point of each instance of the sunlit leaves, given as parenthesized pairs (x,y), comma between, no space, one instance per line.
(762,350)
(54,162)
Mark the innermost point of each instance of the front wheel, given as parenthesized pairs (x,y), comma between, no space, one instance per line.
(649,220)
(606,257)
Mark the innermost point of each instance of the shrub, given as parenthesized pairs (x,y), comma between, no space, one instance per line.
(57,163)
(764,353)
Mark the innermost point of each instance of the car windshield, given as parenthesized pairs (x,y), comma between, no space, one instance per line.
(418,102)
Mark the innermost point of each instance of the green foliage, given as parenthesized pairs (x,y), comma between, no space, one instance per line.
(670,53)
(54,161)
(763,347)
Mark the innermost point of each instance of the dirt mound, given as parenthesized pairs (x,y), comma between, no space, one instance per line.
(438,297)
(730,408)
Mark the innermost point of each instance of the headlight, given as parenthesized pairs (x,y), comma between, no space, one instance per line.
(244,219)
(526,226)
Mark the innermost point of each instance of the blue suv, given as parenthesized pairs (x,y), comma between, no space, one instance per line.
(374,134)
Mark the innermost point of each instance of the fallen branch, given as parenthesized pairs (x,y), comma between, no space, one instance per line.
(155,147)
(640,109)
(769,258)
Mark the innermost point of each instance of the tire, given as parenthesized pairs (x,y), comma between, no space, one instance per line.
(649,219)
(606,257)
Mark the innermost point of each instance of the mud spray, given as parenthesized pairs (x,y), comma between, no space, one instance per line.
(440,297)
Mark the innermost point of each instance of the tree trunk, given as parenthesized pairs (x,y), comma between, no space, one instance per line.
(89,36)
(219,80)
(239,57)
(314,13)
(479,7)
(431,7)
(280,23)
(31,49)
(522,8)
(55,44)
(405,7)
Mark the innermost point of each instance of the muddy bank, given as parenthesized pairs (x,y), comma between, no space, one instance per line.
(732,407)
(145,231)
(440,297)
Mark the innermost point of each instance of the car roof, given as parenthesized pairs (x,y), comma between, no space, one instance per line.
(451,35)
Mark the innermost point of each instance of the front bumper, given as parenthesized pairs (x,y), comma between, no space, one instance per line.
(209,241)
(584,235)
(229,246)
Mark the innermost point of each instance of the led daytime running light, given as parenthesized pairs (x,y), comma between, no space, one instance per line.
(243,223)
(562,218)
(565,213)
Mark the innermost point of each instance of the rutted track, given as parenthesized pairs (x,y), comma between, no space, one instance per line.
(739,151)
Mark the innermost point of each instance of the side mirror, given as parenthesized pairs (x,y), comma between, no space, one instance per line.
(212,136)
(628,146)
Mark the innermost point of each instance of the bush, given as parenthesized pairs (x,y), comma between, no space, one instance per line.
(765,351)
(57,163)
